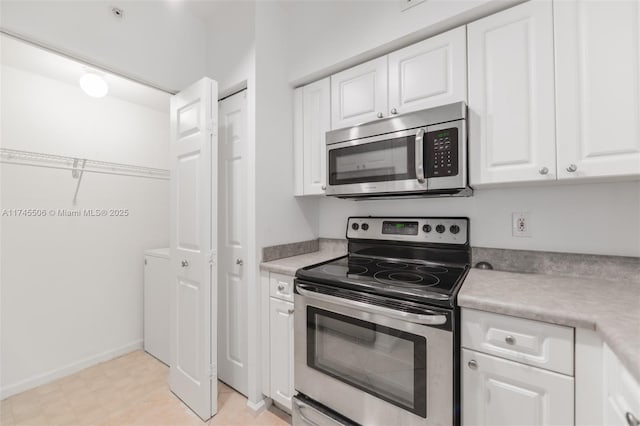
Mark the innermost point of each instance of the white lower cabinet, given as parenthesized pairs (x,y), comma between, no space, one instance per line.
(621,392)
(281,337)
(498,392)
(277,342)
(507,385)
(157,295)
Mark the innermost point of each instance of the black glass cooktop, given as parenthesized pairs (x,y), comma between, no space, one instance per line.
(421,281)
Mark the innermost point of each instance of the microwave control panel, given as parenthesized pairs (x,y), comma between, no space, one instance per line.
(441,153)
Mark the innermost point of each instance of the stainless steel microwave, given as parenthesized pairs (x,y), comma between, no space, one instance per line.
(423,153)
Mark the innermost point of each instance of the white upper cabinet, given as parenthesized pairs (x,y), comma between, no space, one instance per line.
(311,122)
(511,96)
(598,88)
(430,73)
(359,94)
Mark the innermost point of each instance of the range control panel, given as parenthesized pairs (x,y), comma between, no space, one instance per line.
(441,152)
(444,230)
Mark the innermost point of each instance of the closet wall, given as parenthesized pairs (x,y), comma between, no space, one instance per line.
(71,292)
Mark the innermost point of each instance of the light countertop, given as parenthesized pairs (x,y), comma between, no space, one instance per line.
(612,307)
(289,265)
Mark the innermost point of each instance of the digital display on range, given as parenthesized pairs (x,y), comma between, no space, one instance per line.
(400,228)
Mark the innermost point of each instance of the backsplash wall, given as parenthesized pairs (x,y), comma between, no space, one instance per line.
(602,218)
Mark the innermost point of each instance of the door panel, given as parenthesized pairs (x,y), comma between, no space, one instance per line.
(232,349)
(598,87)
(511,96)
(430,73)
(316,122)
(193,238)
(497,392)
(359,94)
(281,351)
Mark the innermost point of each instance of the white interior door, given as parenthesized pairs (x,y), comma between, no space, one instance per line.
(193,375)
(232,314)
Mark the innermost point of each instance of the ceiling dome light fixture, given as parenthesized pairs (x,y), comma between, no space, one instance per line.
(94,85)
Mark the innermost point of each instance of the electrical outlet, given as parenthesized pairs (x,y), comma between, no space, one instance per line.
(521,224)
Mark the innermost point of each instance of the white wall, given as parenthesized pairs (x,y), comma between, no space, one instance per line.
(156,41)
(281,218)
(230,32)
(326,36)
(71,291)
(599,218)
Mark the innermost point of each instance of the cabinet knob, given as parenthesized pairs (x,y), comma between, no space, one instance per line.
(280,287)
(572,168)
(290,311)
(631,419)
(380,115)
(510,340)
(473,364)
(184,263)
(394,111)
(324,187)
(239,262)
(543,170)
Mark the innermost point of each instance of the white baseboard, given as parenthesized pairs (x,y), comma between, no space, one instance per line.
(260,406)
(58,373)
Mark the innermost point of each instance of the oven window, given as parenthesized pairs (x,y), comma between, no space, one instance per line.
(386,160)
(387,363)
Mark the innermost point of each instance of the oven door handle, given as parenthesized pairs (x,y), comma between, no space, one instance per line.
(419,152)
(426,319)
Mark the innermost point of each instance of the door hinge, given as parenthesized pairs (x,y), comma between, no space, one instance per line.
(212,258)
(212,127)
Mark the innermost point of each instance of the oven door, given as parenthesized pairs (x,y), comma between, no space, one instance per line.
(373,360)
(384,164)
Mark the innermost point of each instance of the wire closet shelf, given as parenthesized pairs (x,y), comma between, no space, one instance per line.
(79,165)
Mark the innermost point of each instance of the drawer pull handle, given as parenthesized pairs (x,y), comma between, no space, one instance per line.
(473,364)
(510,340)
(631,419)
(280,287)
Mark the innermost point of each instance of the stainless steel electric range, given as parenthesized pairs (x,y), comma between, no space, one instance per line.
(376,331)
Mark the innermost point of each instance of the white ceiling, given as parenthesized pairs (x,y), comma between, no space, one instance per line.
(27,57)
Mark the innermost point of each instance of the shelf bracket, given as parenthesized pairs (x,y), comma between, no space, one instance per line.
(77,173)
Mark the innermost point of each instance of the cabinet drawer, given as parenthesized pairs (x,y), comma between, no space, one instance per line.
(281,286)
(529,342)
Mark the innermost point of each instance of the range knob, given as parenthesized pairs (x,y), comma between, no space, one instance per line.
(426,228)
(365,226)
(355,226)
(440,229)
(454,229)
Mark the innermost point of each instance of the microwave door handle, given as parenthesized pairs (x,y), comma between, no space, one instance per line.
(426,319)
(420,156)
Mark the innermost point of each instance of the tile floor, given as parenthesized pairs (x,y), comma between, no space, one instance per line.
(130,390)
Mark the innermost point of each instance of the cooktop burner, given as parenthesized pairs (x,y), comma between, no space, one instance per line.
(412,280)
(419,259)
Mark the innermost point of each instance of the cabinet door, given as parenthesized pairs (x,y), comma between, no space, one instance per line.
(598,88)
(316,122)
(511,96)
(621,392)
(359,94)
(281,351)
(430,73)
(498,392)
